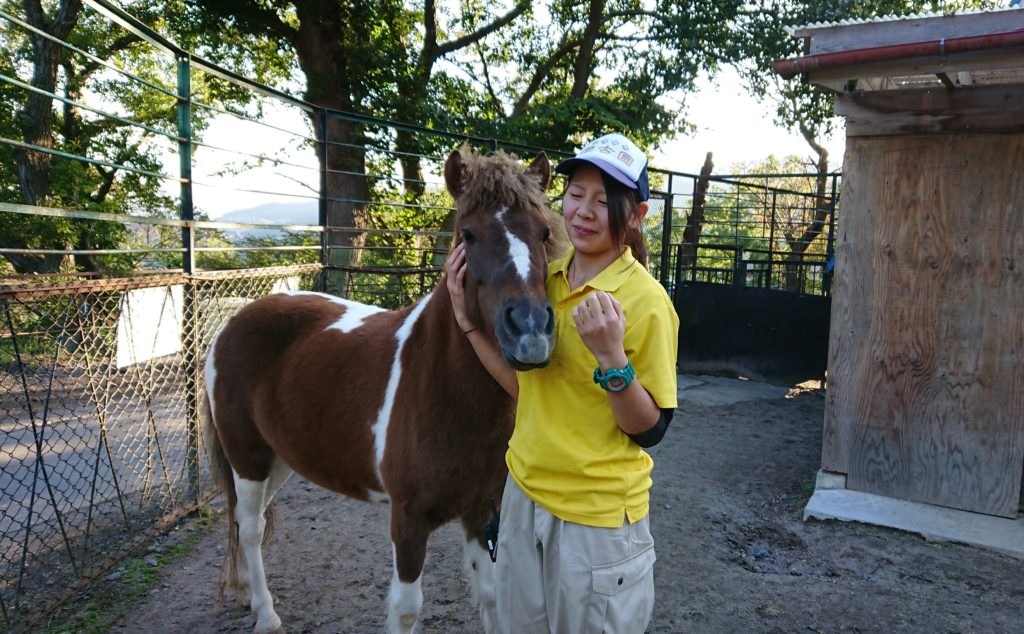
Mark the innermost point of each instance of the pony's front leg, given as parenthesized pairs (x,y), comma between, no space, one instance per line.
(409,532)
(479,569)
(251,524)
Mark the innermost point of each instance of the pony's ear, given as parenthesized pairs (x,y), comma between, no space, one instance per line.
(540,168)
(454,171)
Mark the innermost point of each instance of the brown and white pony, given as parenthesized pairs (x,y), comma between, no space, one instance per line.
(393,405)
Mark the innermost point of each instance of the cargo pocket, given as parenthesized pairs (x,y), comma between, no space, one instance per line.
(622,597)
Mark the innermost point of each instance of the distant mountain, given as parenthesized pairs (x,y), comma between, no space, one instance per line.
(303,212)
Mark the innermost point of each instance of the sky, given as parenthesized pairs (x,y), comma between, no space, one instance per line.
(728,122)
(735,128)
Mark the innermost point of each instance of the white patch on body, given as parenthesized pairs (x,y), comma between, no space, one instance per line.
(479,569)
(380,428)
(518,252)
(353,316)
(404,600)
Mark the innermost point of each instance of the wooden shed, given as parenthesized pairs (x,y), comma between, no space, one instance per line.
(924,418)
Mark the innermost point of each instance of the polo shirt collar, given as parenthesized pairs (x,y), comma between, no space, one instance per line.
(608,280)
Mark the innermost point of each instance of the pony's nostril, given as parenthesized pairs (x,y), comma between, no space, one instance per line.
(509,319)
(549,326)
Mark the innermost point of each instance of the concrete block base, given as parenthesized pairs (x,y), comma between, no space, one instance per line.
(935,523)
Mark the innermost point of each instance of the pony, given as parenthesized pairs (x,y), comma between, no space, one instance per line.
(388,405)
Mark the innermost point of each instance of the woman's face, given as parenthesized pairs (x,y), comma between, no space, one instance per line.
(585,211)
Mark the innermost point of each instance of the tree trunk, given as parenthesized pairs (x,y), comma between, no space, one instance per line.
(794,272)
(583,67)
(324,59)
(695,222)
(346,200)
(31,264)
(33,167)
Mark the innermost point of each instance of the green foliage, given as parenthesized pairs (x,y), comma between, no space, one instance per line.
(258,258)
(405,237)
(78,184)
(802,107)
(769,222)
(130,147)
(641,55)
(549,74)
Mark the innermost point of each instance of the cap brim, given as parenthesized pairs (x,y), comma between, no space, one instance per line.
(569,165)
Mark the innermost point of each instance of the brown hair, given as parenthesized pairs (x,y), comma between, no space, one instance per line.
(623,204)
(498,179)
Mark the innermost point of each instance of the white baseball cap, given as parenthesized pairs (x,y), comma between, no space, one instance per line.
(616,156)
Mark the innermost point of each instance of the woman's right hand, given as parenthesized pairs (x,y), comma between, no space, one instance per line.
(456,268)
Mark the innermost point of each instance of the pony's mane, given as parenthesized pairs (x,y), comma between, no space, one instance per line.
(498,180)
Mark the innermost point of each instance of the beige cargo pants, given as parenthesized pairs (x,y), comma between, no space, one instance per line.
(559,577)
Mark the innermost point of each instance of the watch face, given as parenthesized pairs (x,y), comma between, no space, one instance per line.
(616,383)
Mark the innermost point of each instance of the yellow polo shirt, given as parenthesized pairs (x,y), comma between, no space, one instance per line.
(567,453)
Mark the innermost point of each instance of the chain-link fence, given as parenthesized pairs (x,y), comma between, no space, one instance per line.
(131,251)
(100,392)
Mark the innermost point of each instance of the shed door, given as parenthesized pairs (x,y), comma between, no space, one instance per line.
(926,375)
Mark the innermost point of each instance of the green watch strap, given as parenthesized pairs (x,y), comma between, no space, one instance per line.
(615,379)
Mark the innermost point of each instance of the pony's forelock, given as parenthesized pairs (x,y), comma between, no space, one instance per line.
(498,180)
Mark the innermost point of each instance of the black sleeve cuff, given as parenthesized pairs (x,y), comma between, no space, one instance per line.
(654,435)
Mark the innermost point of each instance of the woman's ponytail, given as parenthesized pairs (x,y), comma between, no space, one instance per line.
(623,204)
(635,241)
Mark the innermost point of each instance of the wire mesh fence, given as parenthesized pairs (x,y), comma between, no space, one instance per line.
(100,385)
(770,231)
(122,255)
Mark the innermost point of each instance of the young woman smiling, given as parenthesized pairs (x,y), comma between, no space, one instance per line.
(575,552)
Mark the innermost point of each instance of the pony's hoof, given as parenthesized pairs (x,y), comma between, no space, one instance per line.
(273,627)
(407,623)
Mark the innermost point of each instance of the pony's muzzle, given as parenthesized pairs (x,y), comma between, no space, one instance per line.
(525,330)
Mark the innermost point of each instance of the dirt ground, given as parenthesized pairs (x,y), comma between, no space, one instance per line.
(730,482)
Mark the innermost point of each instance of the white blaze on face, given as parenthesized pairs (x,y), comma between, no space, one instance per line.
(517,250)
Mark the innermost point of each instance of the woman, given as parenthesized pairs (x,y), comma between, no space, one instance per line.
(575,552)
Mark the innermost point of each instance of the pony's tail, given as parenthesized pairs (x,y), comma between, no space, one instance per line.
(224,478)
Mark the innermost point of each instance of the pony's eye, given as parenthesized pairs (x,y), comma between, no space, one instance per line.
(546,234)
(468,237)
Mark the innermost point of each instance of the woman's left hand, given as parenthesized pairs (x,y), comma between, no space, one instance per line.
(602,326)
(455,266)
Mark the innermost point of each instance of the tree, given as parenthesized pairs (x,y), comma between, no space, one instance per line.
(116,155)
(32,168)
(802,107)
(546,74)
(794,206)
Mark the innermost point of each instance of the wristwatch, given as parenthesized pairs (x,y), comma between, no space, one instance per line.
(615,379)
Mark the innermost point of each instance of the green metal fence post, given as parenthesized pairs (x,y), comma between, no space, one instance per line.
(826,281)
(666,234)
(190,325)
(771,243)
(321,150)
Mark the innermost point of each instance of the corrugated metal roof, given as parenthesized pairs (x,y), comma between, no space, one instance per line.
(896,18)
